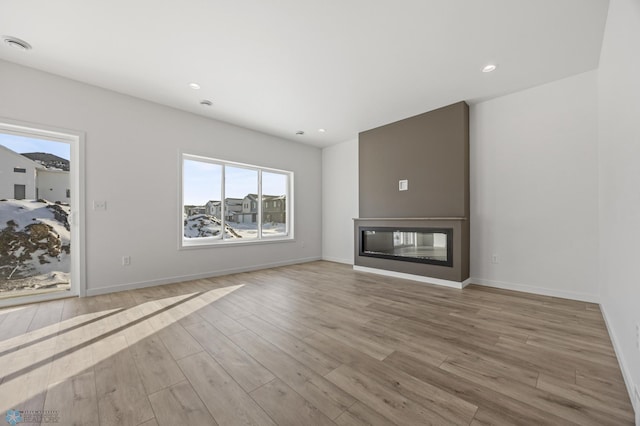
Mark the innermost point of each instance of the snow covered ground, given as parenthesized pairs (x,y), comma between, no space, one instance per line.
(34,246)
(250,230)
(202,226)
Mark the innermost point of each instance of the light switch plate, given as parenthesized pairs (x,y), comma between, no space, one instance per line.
(100,205)
(403,185)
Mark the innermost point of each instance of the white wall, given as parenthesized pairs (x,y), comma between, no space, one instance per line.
(339,200)
(619,153)
(53,185)
(132,157)
(8,178)
(534,189)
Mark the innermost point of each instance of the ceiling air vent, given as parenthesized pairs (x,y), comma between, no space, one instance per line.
(16,43)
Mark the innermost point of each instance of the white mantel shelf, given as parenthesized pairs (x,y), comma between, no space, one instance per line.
(410,218)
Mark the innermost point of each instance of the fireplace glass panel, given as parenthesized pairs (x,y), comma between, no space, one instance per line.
(412,245)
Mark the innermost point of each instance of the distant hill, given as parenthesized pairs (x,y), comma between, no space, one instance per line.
(49,161)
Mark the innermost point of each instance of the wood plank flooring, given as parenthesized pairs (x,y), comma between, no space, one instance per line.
(312,344)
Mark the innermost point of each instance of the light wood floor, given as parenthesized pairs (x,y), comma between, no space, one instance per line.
(311,344)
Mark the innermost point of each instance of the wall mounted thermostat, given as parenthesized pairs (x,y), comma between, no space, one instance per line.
(403,185)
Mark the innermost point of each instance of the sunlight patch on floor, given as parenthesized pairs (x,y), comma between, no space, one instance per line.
(55,353)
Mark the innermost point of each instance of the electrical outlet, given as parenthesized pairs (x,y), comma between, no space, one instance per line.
(126,260)
(495,259)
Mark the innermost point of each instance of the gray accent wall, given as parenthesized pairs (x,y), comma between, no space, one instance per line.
(431,151)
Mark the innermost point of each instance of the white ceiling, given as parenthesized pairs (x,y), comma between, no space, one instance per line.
(288,65)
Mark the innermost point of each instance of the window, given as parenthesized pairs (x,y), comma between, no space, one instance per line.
(273,185)
(207,181)
(19,170)
(241,183)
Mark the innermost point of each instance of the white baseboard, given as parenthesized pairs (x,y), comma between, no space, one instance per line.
(181,278)
(337,259)
(628,380)
(412,277)
(582,297)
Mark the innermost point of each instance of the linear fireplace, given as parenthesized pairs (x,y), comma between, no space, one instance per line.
(436,248)
(420,245)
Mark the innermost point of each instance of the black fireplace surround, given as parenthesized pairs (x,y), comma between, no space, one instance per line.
(433,246)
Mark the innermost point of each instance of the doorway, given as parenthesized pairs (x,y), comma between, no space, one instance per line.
(19,191)
(41,215)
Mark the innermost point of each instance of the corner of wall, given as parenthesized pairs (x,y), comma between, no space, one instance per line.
(339,200)
(626,374)
(618,174)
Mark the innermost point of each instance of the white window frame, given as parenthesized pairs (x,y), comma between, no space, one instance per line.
(76,140)
(189,243)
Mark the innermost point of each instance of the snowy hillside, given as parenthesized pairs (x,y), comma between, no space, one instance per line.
(47,160)
(34,244)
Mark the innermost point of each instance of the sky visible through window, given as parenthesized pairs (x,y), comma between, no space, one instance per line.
(22,144)
(202,182)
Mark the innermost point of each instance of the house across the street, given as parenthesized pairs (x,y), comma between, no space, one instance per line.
(233,206)
(273,208)
(23,178)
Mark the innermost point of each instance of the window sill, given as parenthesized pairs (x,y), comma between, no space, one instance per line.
(216,243)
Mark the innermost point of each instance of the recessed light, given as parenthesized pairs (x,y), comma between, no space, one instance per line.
(206,102)
(489,68)
(300,132)
(16,43)
(194,86)
(322,130)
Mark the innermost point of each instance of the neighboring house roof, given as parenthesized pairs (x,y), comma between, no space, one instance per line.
(233,201)
(254,197)
(228,201)
(50,162)
(20,156)
(46,170)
